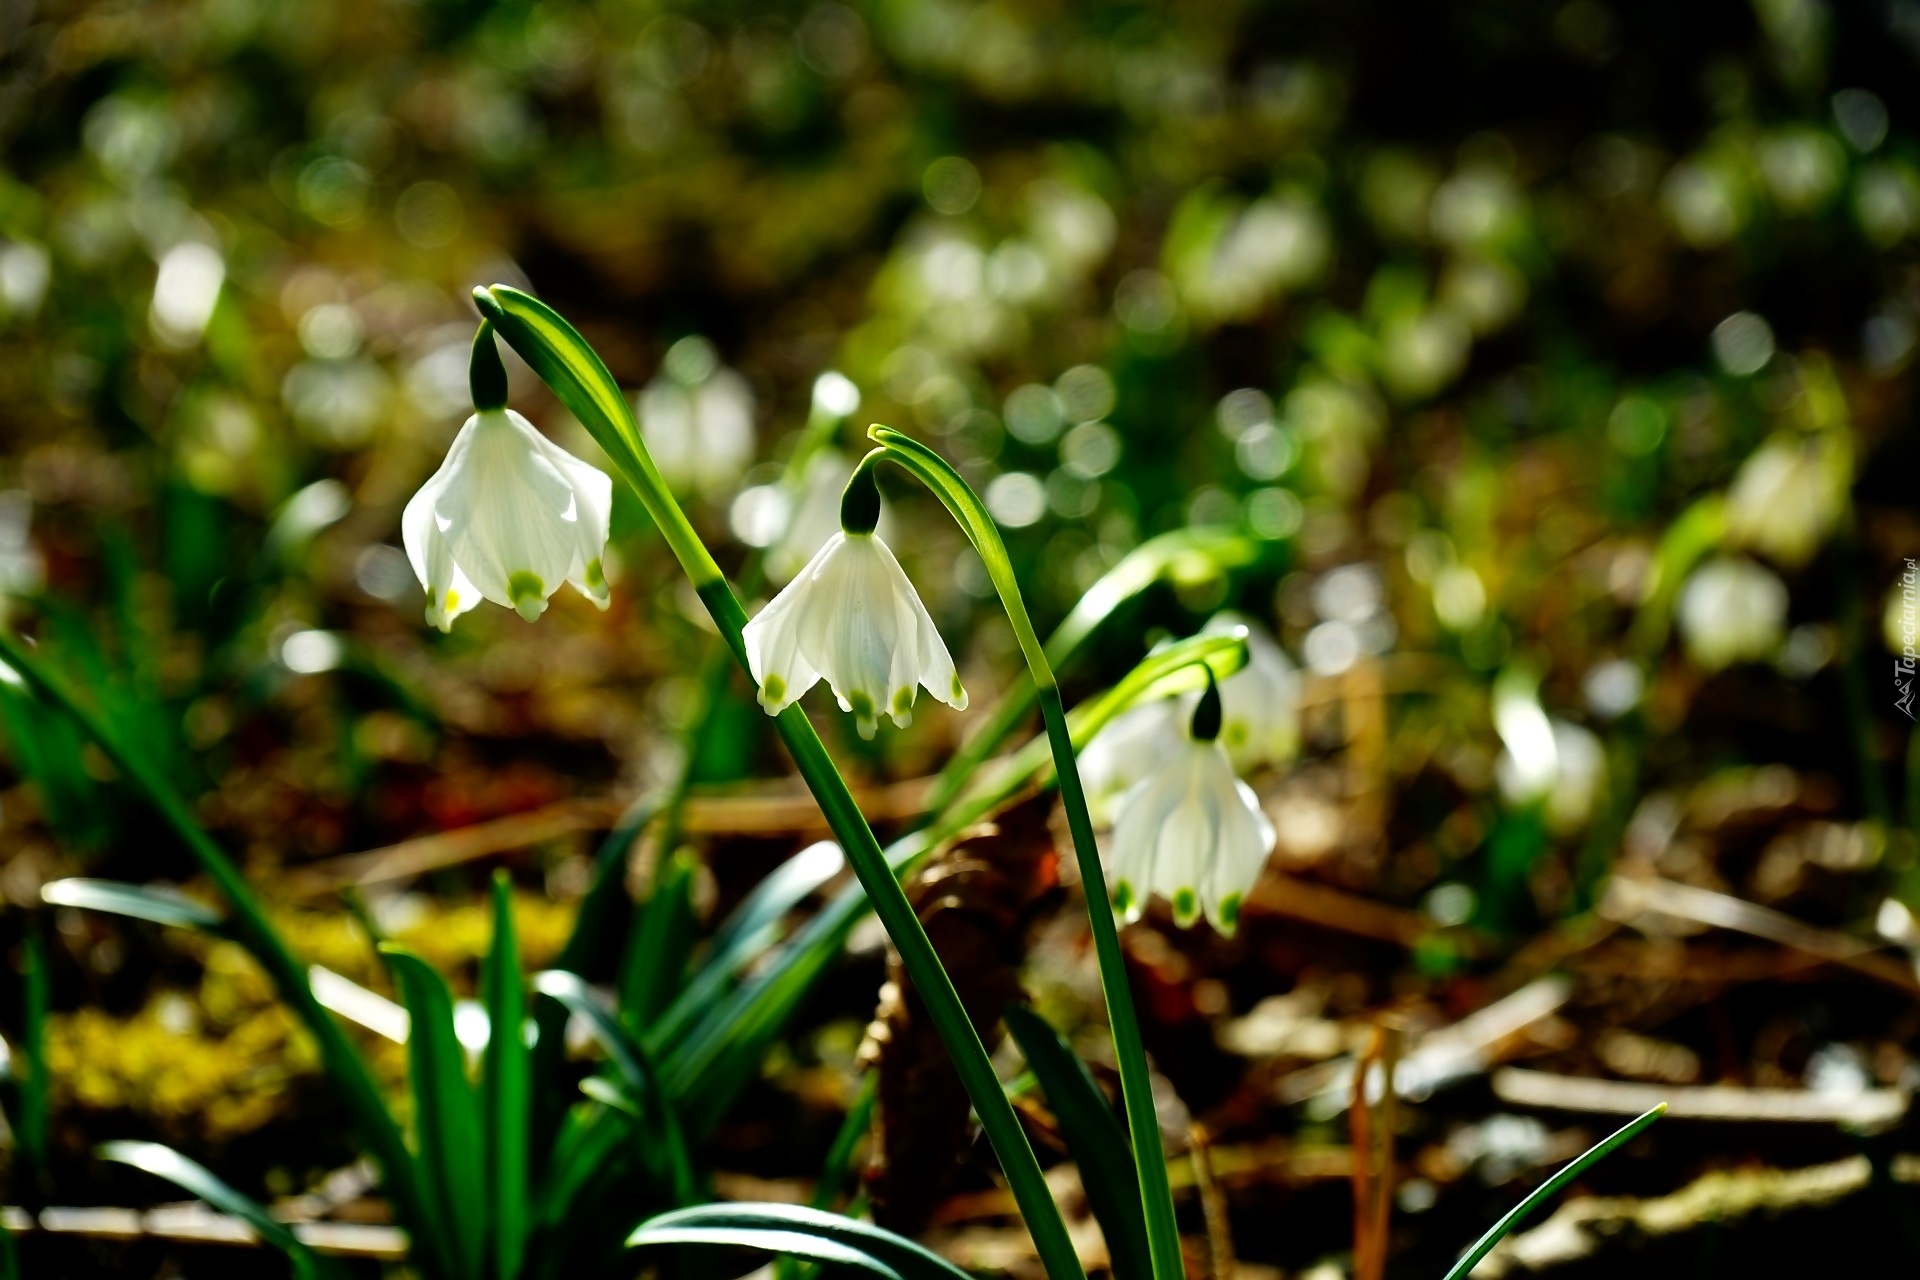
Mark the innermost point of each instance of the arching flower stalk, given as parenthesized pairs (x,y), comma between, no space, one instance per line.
(852,616)
(1191,831)
(509,515)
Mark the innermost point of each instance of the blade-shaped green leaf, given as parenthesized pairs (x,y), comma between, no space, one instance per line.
(452,1157)
(197,1179)
(1593,1155)
(249,926)
(505,1086)
(137,901)
(910,1260)
(654,970)
(631,1060)
(1094,1136)
(792,1244)
(745,936)
(31,1095)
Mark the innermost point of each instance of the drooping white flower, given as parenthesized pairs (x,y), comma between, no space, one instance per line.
(1788,496)
(508,517)
(851,616)
(1125,751)
(1732,610)
(697,419)
(1191,832)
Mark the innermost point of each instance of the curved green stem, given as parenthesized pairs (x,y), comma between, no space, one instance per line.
(577,375)
(1136,1086)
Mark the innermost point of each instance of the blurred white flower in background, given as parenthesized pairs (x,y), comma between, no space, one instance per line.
(1788,496)
(1260,703)
(508,517)
(1732,610)
(1125,751)
(185,292)
(21,568)
(697,419)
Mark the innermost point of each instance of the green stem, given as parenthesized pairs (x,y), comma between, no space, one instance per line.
(1136,1086)
(256,933)
(577,375)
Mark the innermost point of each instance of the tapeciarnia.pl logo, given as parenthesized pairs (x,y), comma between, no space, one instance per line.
(1903,665)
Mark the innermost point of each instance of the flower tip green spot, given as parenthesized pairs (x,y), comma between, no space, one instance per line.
(959,699)
(1229,911)
(1186,907)
(528,593)
(773,692)
(1123,898)
(901,703)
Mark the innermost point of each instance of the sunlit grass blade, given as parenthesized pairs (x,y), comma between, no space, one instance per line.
(446,1114)
(745,936)
(250,927)
(1093,1135)
(654,969)
(791,1244)
(909,1260)
(196,1179)
(636,1070)
(135,901)
(1593,1155)
(504,1086)
(839,1159)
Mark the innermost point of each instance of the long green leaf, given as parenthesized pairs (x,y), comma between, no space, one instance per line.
(345,1067)
(36,1106)
(1593,1155)
(793,1244)
(197,1179)
(654,969)
(135,901)
(745,936)
(912,1261)
(1094,1136)
(505,1086)
(631,1060)
(446,1114)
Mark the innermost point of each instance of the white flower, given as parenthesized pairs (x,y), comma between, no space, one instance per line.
(508,517)
(1732,610)
(1193,833)
(1788,496)
(1125,751)
(851,615)
(699,430)
(1260,703)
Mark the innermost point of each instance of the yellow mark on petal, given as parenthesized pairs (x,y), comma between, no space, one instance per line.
(453,601)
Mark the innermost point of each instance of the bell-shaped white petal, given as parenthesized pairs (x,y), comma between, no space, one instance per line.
(1127,750)
(1193,833)
(508,517)
(851,616)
